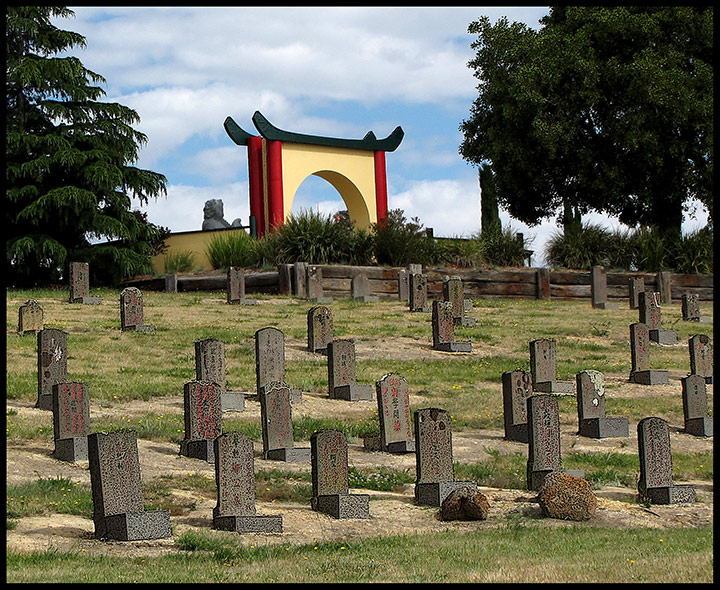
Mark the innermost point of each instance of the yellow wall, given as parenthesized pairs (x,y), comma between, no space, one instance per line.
(195,241)
(350,171)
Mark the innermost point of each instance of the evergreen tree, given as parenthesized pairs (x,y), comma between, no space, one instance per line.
(69,172)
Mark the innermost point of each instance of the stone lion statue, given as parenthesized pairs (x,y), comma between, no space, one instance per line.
(214,216)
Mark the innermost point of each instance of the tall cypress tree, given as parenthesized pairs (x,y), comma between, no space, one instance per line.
(69,172)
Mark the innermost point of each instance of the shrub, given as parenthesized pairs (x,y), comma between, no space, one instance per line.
(580,248)
(181,261)
(504,248)
(232,249)
(399,242)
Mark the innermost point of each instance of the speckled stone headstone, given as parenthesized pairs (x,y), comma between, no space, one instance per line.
(417,293)
(592,421)
(118,504)
(203,419)
(690,307)
(80,284)
(443,329)
(314,286)
(655,483)
(435,477)
(210,361)
(71,421)
(277,428)
(329,471)
(636,285)
(394,414)
(649,311)
(640,371)
(269,356)
(543,369)
(236,287)
(320,328)
(360,289)
(235,480)
(695,406)
(453,293)
(51,365)
(132,311)
(516,389)
(701,356)
(30,317)
(342,375)
(598,289)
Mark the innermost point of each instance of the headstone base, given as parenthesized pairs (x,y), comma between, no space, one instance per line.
(465,322)
(249,524)
(289,455)
(699,426)
(517,433)
(141,328)
(44,402)
(88,300)
(663,336)
(555,387)
(682,494)
(536,478)
(463,346)
(343,505)
(138,526)
(399,447)
(433,494)
(71,449)
(354,392)
(606,305)
(424,309)
(604,427)
(232,401)
(650,377)
(198,449)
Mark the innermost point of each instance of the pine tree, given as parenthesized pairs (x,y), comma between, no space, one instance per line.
(69,172)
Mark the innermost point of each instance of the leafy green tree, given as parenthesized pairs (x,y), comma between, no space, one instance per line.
(604,108)
(69,172)
(489,211)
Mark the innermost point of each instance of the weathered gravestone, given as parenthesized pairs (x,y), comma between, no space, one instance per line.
(453,293)
(543,369)
(30,317)
(51,364)
(640,371)
(235,480)
(701,356)
(277,428)
(649,314)
(691,308)
(360,289)
(592,421)
(435,477)
(516,387)
(320,328)
(270,360)
(394,413)
(313,282)
(71,421)
(695,410)
(203,419)
(656,483)
(443,329)
(329,470)
(598,289)
(80,284)
(118,504)
(132,311)
(417,293)
(210,366)
(236,287)
(636,285)
(342,382)
(544,440)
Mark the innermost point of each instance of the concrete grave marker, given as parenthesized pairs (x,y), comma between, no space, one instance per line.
(417,293)
(695,406)
(203,419)
(656,483)
(277,428)
(649,310)
(320,328)
(80,284)
(394,414)
(132,311)
(640,371)
(636,285)
(118,504)
(435,477)
(598,289)
(236,287)
(314,288)
(210,366)
(51,364)
(235,480)
(592,421)
(342,382)
(360,289)
(443,328)
(270,360)
(543,369)
(516,387)
(701,356)
(691,308)
(453,292)
(30,317)
(71,421)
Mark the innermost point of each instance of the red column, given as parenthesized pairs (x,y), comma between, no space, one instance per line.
(255,174)
(276,211)
(380,187)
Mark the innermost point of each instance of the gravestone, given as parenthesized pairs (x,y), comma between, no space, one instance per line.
(118,504)
(453,292)
(51,364)
(360,289)
(636,285)
(342,382)
(443,329)
(80,284)
(640,371)
(695,410)
(299,279)
(235,481)
(171,283)
(598,289)
(656,483)
(701,356)
(320,328)
(210,366)
(649,313)
(313,282)
(329,471)
(131,311)
(691,308)
(544,440)
(403,288)
(417,293)
(592,421)
(394,413)
(516,387)
(71,421)
(203,419)
(543,369)
(30,317)
(236,287)
(270,360)
(277,428)
(435,477)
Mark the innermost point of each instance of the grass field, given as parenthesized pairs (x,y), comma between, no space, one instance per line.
(127,373)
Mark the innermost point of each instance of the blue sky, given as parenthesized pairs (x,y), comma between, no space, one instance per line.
(333,71)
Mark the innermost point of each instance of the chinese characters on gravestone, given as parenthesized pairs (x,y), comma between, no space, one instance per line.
(701,356)
(640,371)
(270,360)
(694,396)
(51,364)
(598,289)
(342,373)
(435,478)
(277,428)
(543,371)
(656,483)
(636,285)
(417,293)
(236,287)
(453,293)
(592,421)
(320,328)
(132,311)
(516,389)
(30,317)
(443,328)
(71,421)
(210,366)
(203,419)
(649,314)
(80,284)
(394,414)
